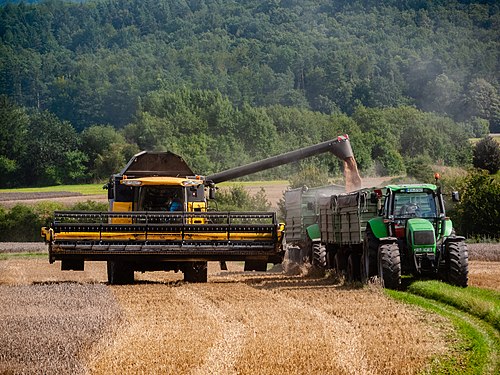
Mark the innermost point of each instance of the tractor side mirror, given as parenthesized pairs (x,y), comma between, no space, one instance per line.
(211,193)
(455,196)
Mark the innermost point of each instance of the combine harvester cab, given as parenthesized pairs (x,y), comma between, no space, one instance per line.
(160,218)
(366,234)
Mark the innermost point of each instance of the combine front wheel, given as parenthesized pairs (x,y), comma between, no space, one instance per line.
(120,273)
(196,272)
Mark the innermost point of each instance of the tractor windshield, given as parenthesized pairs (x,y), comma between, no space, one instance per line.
(415,204)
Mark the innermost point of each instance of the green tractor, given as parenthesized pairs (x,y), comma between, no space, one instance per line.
(369,233)
(412,235)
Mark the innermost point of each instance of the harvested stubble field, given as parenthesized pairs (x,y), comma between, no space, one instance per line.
(238,323)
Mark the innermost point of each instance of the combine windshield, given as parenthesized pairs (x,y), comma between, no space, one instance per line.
(415,204)
(160,198)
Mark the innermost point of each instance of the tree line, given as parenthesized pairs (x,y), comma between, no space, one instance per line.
(213,134)
(93,62)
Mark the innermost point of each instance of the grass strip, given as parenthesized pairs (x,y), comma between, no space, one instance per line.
(7,256)
(478,347)
(482,303)
(85,189)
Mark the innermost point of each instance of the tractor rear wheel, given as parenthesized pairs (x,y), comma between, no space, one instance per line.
(120,273)
(196,272)
(389,265)
(458,263)
(319,255)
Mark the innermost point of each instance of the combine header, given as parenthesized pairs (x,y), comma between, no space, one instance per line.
(160,218)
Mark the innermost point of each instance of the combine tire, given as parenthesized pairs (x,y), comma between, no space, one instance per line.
(319,256)
(120,273)
(368,266)
(458,263)
(389,266)
(195,272)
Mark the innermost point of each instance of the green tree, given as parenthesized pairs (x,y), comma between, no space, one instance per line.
(13,136)
(479,209)
(487,155)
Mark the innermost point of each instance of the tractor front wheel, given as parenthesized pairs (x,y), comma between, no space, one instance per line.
(389,265)
(458,263)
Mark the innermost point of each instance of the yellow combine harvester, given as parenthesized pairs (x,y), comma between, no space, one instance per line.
(161,217)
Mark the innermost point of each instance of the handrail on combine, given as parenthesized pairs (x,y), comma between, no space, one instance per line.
(233,225)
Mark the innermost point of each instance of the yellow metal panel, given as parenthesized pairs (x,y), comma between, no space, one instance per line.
(121,207)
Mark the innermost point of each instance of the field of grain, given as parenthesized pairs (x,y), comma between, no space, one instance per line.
(238,323)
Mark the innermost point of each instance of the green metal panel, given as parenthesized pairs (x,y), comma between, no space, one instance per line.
(313,232)
(448,228)
(379,228)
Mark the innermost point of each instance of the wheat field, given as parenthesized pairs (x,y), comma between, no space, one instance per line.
(56,322)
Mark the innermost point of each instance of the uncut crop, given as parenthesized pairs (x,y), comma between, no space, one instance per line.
(46,329)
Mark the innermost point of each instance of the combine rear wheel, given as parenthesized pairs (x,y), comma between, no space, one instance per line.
(196,272)
(319,256)
(458,263)
(120,273)
(389,265)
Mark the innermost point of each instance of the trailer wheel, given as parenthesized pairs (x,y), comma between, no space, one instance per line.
(340,263)
(291,260)
(319,255)
(369,257)
(389,265)
(196,272)
(120,273)
(353,268)
(458,263)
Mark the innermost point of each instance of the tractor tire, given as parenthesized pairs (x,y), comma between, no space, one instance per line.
(120,273)
(389,266)
(196,272)
(458,263)
(368,266)
(319,256)
(353,268)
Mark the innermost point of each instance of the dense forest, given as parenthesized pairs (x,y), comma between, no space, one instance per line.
(85,85)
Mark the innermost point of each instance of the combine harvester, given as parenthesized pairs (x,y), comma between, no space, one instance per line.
(385,233)
(161,218)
